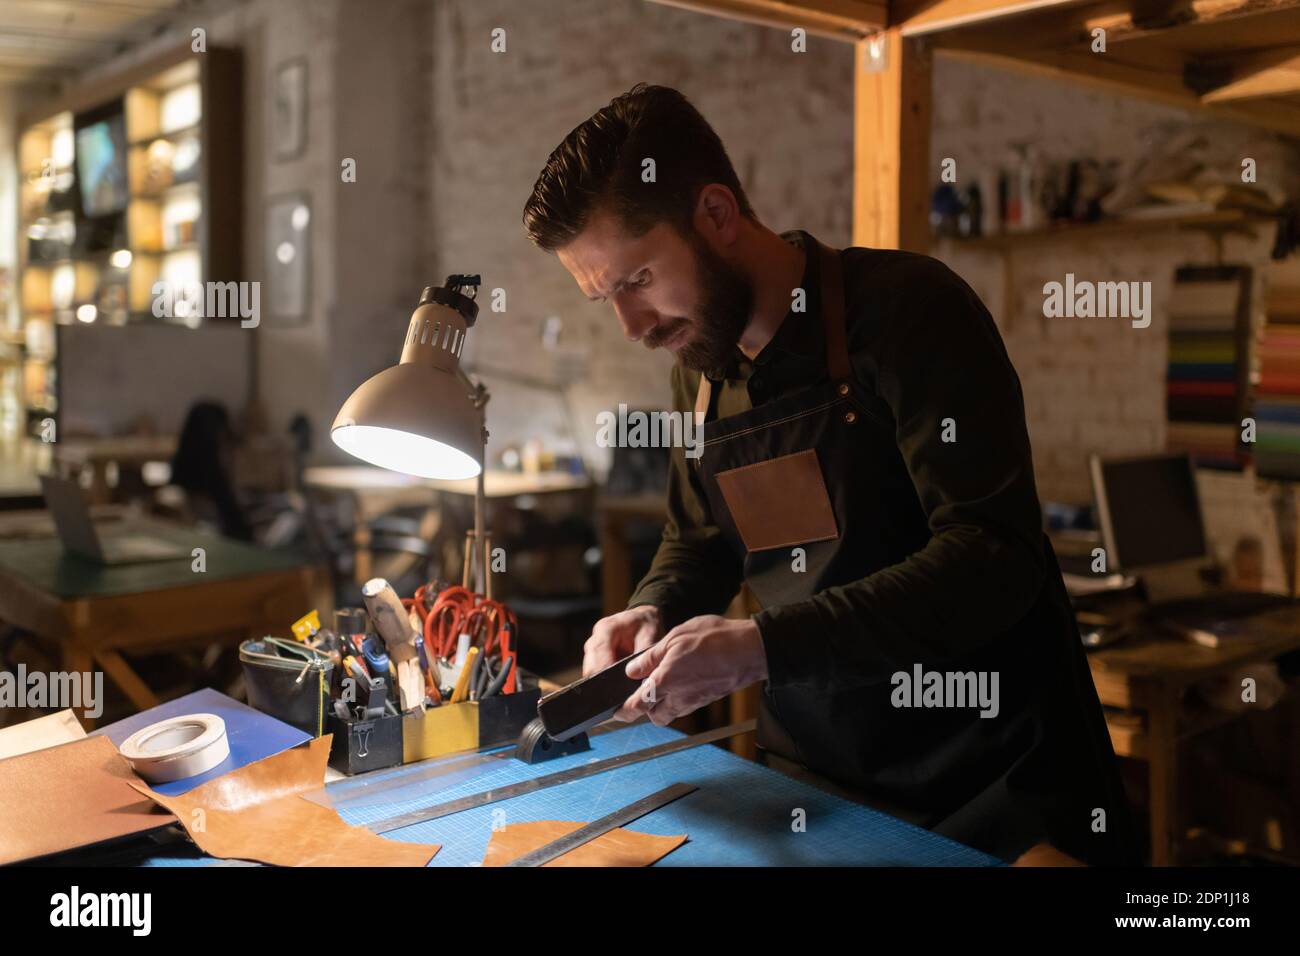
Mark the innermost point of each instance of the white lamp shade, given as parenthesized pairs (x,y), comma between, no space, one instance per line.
(404,452)
(415,419)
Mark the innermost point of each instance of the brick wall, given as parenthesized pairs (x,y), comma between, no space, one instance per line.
(785,118)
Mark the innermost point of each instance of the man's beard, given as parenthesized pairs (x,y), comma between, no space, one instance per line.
(726,301)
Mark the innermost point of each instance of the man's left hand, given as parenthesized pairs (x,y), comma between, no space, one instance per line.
(696,663)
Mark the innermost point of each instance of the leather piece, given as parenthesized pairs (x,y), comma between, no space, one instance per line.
(39,733)
(255,813)
(1044,854)
(780,502)
(73,795)
(618,847)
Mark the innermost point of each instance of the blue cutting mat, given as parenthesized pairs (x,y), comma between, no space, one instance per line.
(742,815)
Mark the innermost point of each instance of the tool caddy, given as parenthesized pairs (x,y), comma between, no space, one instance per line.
(415,678)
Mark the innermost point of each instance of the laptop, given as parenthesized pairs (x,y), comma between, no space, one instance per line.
(1150,515)
(77,530)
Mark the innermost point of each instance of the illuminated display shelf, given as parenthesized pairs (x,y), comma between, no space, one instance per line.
(181,145)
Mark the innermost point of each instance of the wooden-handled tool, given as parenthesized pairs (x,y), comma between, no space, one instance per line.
(585,703)
(392,624)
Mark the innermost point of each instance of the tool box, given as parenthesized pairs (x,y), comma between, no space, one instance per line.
(404,680)
(360,746)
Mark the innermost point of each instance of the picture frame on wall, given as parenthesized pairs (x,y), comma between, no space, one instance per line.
(288,259)
(288,131)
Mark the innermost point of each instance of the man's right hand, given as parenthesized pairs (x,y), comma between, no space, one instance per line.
(618,635)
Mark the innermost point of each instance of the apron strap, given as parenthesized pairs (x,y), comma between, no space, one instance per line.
(833,324)
(702,397)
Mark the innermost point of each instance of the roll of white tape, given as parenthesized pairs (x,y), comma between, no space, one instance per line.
(177,748)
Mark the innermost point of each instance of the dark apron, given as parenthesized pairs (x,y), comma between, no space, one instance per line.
(820,470)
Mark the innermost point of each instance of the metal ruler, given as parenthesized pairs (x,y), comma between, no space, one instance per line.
(359,792)
(555,779)
(619,818)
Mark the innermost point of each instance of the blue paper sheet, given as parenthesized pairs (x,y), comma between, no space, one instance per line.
(253,735)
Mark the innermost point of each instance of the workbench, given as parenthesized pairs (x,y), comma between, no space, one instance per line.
(374,491)
(95,612)
(741,815)
(1144,681)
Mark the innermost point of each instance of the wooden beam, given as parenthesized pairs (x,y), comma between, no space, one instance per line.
(1150,84)
(918,17)
(839,19)
(1276,73)
(1125,25)
(1062,25)
(1158,67)
(891,148)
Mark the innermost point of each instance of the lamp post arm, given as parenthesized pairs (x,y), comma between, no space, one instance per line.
(482,537)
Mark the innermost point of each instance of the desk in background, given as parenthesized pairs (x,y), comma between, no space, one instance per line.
(96,612)
(1144,679)
(375,491)
(74,455)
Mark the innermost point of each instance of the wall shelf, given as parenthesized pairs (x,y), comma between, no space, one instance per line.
(178,98)
(1222,221)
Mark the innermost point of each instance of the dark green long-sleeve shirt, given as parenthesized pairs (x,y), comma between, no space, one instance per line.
(922,343)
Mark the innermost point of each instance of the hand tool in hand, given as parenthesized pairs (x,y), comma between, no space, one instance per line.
(589,701)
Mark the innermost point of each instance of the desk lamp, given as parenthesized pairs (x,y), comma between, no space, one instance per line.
(424,416)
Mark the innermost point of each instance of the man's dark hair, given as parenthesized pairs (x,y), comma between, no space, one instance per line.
(600,164)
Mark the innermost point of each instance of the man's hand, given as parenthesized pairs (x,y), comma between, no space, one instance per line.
(698,662)
(618,635)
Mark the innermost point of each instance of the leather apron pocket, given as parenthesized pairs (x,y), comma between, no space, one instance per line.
(780,502)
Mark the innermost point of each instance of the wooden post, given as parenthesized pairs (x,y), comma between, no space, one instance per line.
(891,151)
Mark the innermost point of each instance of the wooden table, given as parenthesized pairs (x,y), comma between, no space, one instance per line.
(96,454)
(375,491)
(1146,678)
(96,612)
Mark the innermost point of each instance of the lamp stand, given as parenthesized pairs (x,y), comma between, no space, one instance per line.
(479,538)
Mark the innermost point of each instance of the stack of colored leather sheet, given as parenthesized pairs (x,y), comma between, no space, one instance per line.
(1277,396)
(1207,367)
